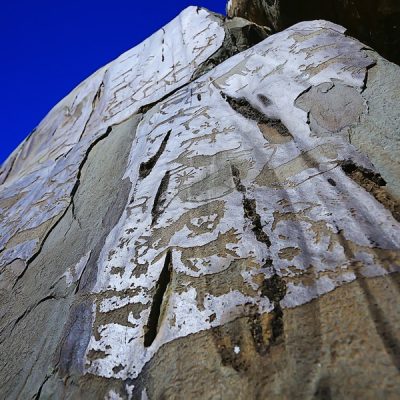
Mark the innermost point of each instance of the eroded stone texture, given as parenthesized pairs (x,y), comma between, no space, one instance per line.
(51,293)
(233,214)
(324,353)
(331,107)
(39,177)
(377,134)
(374,22)
(202,208)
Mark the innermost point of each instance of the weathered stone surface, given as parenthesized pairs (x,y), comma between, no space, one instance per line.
(39,177)
(328,348)
(227,236)
(377,134)
(51,294)
(374,22)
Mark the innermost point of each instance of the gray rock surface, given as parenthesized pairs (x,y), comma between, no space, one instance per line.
(374,22)
(209,225)
(378,132)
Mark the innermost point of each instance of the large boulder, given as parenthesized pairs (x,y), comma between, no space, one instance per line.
(374,22)
(181,226)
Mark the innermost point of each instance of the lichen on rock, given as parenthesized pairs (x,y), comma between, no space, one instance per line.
(215,202)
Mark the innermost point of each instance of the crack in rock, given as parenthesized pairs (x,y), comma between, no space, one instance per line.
(146,167)
(160,198)
(159,301)
(73,191)
(374,184)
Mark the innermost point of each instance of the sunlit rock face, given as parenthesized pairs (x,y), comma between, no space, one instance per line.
(187,215)
(374,22)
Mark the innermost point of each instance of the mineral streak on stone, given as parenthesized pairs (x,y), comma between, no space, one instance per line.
(221,210)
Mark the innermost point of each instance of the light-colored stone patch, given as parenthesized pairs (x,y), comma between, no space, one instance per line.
(41,173)
(310,240)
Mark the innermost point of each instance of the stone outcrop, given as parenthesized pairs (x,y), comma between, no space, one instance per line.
(374,22)
(191,223)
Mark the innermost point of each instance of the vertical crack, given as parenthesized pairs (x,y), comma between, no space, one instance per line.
(39,392)
(146,167)
(155,317)
(264,334)
(95,101)
(73,192)
(160,198)
(250,210)
(236,180)
(365,80)
(275,289)
(267,330)
(73,209)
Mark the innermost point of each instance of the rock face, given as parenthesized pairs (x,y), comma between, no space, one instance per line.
(190,223)
(374,22)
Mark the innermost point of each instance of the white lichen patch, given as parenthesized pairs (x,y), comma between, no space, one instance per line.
(224,208)
(42,172)
(230,186)
(113,395)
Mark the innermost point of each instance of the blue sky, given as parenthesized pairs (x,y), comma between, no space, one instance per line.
(48,47)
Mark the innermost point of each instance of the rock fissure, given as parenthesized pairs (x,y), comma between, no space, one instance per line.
(250,212)
(39,392)
(367,69)
(265,331)
(250,209)
(95,100)
(374,184)
(160,198)
(273,130)
(146,167)
(29,310)
(159,300)
(73,191)
(270,332)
